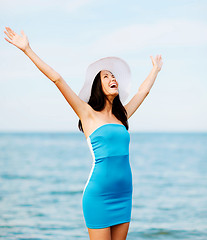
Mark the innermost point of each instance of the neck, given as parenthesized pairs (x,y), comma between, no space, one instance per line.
(108,108)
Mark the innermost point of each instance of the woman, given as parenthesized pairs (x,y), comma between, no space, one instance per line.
(107,196)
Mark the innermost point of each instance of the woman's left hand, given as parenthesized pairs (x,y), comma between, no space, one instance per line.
(157,62)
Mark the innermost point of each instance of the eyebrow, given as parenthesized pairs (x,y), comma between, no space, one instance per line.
(107,74)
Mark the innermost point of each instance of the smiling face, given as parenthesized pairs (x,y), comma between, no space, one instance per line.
(109,83)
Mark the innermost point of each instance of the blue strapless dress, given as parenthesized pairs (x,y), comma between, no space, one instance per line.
(107,195)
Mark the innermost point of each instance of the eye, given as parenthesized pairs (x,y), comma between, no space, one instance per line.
(105,76)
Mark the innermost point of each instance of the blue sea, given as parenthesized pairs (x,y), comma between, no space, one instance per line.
(42,176)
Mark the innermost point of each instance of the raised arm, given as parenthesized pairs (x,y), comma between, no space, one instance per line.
(145,87)
(81,108)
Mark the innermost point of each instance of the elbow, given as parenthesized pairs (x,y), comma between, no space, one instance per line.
(144,92)
(57,79)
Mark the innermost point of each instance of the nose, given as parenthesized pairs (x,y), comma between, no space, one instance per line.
(113,78)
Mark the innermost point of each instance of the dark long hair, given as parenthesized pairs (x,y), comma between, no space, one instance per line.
(98,101)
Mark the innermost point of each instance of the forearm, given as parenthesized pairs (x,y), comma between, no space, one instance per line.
(42,66)
(149,81)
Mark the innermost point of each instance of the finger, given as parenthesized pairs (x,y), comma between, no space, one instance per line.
(22,32)
(11,31)
(7,40)
(8,35)
(152,58)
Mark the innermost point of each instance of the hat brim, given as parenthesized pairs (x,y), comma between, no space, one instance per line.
(115,65)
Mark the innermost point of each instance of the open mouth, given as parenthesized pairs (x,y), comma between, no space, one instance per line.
(113,86)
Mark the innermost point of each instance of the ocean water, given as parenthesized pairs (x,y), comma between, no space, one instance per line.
(42,176)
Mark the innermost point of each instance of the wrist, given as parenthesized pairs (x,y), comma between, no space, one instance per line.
(26,49)
(156,69)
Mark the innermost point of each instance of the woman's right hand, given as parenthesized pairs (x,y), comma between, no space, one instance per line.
(19,41)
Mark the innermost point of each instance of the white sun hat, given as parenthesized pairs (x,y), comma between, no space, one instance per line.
(118,67)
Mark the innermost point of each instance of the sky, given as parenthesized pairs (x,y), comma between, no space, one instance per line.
(69,35)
